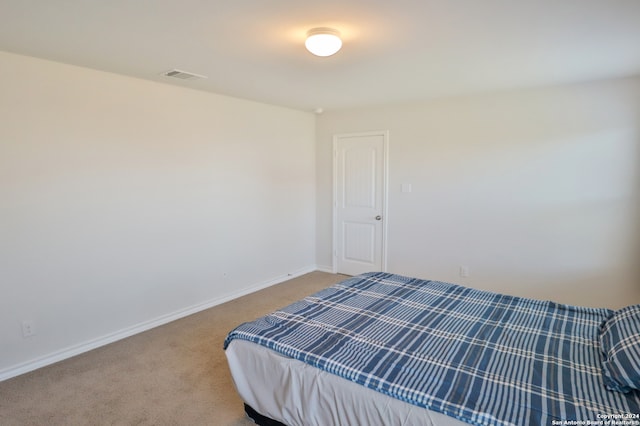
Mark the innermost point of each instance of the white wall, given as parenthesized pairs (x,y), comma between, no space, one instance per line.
(536,191)
(124,202)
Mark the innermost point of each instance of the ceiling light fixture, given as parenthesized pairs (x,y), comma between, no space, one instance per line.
(323,41)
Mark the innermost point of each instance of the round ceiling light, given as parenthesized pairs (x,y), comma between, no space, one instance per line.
(323,41)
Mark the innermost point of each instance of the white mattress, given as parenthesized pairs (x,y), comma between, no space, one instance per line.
(297,394)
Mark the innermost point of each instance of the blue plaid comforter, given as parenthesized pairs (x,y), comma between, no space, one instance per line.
(481,357)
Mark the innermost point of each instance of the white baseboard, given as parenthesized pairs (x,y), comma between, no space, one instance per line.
(324,268)
(86,346)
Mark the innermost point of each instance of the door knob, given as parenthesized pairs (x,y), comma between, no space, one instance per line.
(378,217)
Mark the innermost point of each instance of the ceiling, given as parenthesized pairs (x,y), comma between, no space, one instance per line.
(394,51)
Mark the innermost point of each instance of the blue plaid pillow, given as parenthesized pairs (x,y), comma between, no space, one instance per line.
(620,344)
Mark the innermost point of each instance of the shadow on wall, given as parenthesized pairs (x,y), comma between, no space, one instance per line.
(636,231)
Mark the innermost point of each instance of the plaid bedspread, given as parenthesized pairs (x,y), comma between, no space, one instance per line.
(481,357)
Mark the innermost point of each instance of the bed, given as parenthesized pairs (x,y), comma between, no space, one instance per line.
(385,349)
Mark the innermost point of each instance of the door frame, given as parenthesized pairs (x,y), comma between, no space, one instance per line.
(384,201)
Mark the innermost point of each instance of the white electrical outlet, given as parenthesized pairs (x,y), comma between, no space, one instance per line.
(28,328)
(464,271)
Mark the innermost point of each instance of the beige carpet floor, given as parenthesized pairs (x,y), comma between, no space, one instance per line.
(175,374)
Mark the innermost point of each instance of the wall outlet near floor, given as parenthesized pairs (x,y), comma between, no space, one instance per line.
(464,271)
(28,328)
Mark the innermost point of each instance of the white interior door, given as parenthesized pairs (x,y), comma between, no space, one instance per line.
(360,202)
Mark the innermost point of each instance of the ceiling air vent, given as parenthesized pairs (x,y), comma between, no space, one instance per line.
(183,75)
